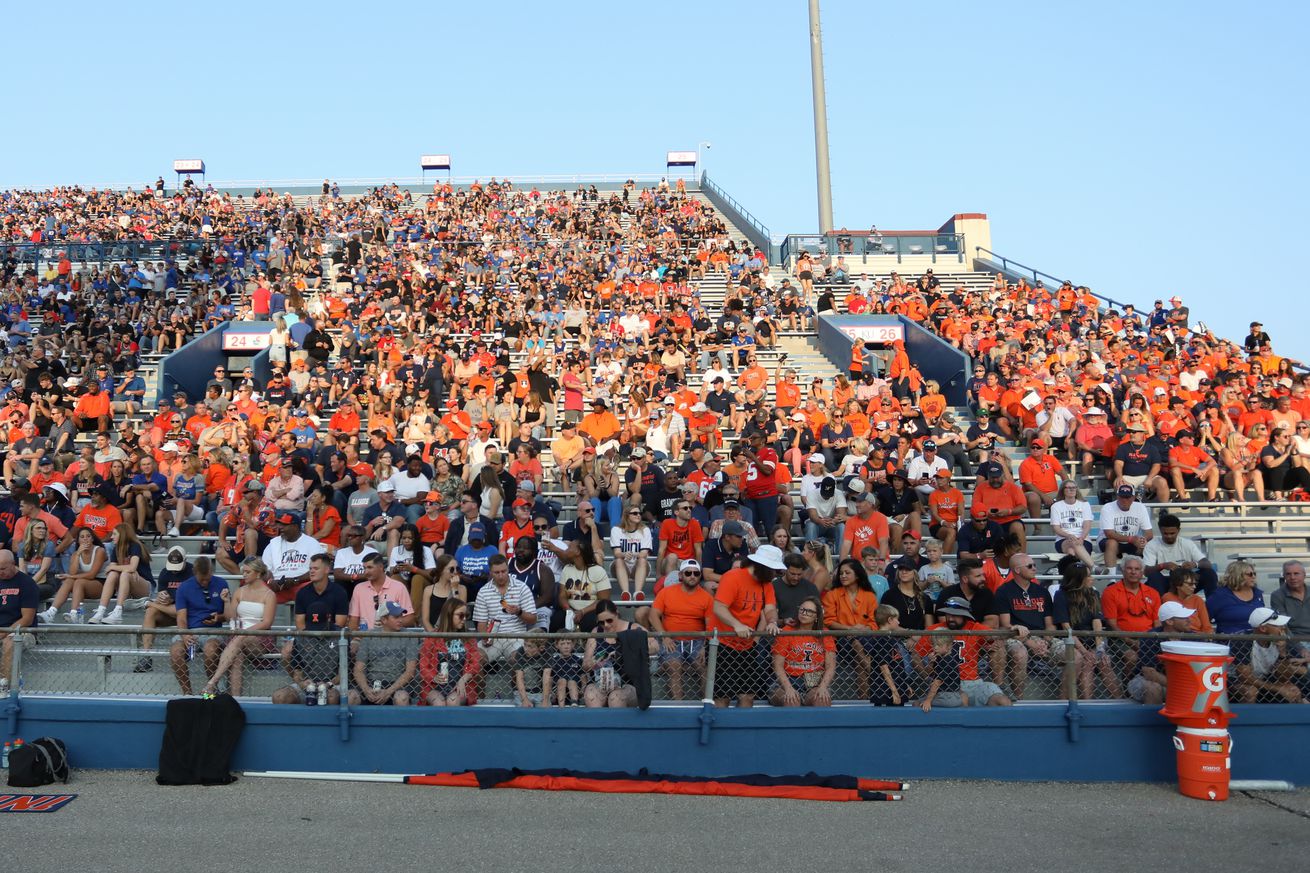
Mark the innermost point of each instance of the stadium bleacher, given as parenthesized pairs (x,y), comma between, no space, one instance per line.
(464,276)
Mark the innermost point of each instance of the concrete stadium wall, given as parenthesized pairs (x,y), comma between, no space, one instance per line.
(1115,742)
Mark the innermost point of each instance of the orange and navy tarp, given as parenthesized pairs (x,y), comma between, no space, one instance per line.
(808,787)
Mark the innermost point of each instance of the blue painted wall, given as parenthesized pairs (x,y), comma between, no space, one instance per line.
(935,358)
(1117,742)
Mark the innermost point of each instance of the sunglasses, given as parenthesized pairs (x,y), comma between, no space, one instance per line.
(805,610)
(692,574)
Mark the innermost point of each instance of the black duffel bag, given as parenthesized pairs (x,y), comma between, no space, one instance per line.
(38,763)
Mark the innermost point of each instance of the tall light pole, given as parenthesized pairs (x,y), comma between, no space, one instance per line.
(820,121)
(701,148)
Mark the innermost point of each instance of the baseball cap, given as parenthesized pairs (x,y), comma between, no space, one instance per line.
(689,564)
(286,518)
(1264,615)
(816,458)
(943,473)
(1037,444)
(930,445)
(1173,609)
(957,606)
(176,559)
(519,501)
(385,487)
(169,446)
(1124,491)
(639,452)
(528,485)
(254,485)
(1095,410)
(978,512)
(477,531)
(432,497)
(391,608)
(46,461)
(696,445)
(796,416)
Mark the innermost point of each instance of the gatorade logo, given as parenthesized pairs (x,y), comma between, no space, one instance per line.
(1214,690)
(1213,679)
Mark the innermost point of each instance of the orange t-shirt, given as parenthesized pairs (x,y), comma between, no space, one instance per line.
(681,540)
(100,522)
(1042,473)
(683,610)
(1008,495)
(947,504)
(746,599)
(801,655)
(861,532)
(432,531)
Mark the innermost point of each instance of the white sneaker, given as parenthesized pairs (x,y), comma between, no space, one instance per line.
(174,532)
(48,616)
(73,616)
(98,617)
(114,617)
(136,603)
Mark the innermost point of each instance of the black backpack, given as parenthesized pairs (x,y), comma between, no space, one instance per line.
(38,763)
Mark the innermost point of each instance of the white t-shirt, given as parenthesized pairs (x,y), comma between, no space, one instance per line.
(1181,552)
(1067,518)
(288,560)
(1061,419)
(408,487)
(350,561)
(811,498)
(920,467)
(1134,521)
(402,555)
(630,543)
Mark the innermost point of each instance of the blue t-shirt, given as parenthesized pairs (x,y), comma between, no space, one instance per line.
(201,603)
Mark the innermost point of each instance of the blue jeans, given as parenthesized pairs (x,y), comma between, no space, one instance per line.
(831,535)
(608,512)
(765,510)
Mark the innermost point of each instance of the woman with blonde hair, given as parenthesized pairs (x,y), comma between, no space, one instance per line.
(252,609)
(1237,596)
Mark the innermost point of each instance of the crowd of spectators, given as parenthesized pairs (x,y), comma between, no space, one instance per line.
(452,371)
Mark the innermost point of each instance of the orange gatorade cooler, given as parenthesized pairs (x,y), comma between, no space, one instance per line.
(1196,695)
(1204,762)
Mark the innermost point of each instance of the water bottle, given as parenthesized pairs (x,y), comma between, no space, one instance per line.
(4,687)
(191,652)
(4,758)
(322,693)
(377,684)
(311,694)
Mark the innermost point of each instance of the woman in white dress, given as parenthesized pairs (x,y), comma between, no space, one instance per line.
(253,608)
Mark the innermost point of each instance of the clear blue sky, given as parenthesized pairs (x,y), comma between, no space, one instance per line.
(1144,149)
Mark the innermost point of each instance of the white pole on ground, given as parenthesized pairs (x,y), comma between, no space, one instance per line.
(326,777)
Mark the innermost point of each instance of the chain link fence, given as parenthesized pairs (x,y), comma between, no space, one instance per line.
(943,667)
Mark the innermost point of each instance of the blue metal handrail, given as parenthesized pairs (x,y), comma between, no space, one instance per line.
(1006,266)
(754,229)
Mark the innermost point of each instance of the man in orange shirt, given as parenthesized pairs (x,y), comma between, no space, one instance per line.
(683,607)
(1004,502)
(1191,466)
(599,425)
(93,409)
(1130,605)
(868,527)
(1040,475)
(744,603)
(681,539)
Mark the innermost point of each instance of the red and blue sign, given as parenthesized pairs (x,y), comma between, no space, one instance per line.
(34,802)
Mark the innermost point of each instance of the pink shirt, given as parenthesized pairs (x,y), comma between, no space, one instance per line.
(363,607)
